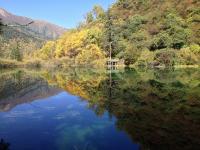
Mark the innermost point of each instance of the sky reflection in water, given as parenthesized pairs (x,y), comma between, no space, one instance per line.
(100,110)
(60,122)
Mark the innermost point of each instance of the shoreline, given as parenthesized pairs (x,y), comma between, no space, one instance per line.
(10,64)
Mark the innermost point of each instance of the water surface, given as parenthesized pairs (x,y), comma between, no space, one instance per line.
(80,109)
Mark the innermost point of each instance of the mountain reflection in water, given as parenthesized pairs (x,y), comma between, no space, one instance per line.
(157,109)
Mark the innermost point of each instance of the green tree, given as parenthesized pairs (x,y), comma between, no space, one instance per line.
(177,29)
(110,39)
(130,56)
(89,17)
(160,41)
(134,23)
(15,52)
(98,12)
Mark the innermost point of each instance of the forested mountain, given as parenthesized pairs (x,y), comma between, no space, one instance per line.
(140,32)
(39,29)
(18,41)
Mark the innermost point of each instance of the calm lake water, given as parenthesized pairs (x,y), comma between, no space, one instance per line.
(82,109)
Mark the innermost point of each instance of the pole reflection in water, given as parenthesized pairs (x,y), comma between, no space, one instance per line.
(99,109)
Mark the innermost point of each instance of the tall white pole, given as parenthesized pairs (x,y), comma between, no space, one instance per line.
(110,51)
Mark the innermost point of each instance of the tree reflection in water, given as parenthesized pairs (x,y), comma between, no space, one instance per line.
(159,109)
(4,145)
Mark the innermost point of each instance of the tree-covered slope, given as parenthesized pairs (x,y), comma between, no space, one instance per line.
(141,32)
(154,25)
(17,40)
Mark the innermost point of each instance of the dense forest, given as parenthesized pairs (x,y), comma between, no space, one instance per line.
(139,32)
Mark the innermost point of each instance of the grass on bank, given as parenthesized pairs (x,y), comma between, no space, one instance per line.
(7,63)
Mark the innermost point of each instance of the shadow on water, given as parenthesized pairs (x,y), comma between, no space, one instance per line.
(159,109)
(4,145)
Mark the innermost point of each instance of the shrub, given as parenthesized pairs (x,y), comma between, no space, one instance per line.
(186,57)
(5,63)
(146,57)
(165,57)
(34,63)
(160,41)
(195,48)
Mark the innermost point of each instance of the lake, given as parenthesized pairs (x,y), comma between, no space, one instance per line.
(81,109)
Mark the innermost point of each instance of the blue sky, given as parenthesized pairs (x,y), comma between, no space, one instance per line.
(66,13)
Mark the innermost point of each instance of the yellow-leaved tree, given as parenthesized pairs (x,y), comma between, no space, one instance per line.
(71,43)
(91,55)
(47,51)
(80,46)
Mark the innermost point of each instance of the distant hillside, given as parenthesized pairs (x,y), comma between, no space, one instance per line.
(39,29)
